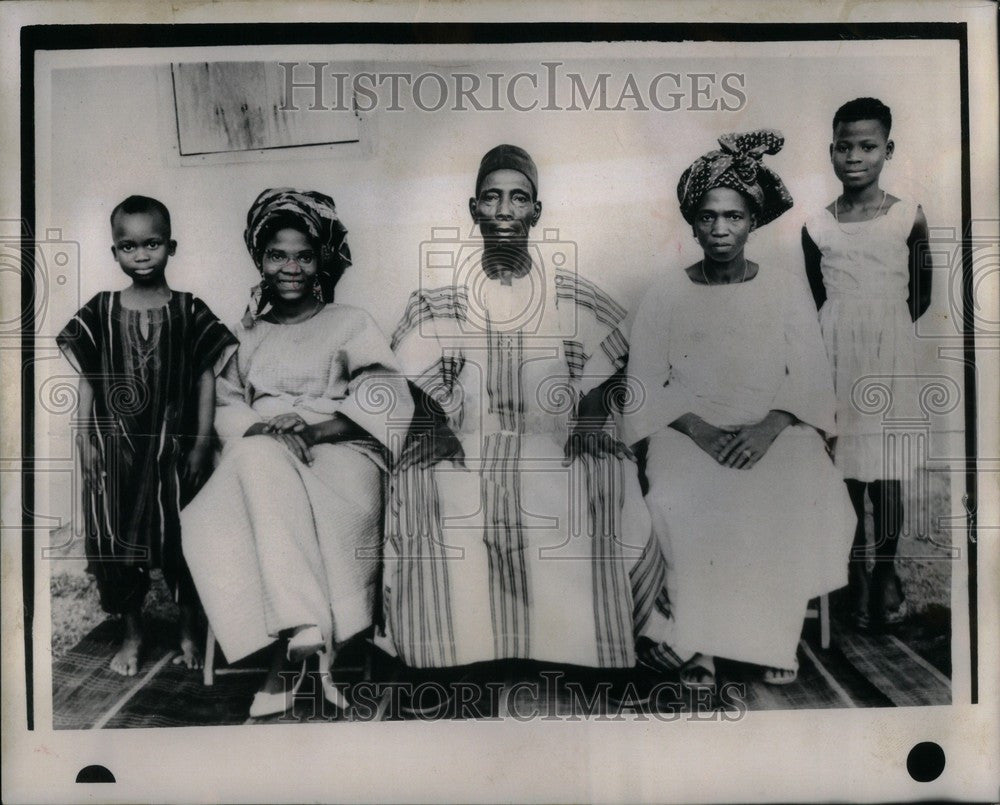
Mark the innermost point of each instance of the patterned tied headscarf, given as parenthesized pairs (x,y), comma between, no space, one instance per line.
(738,166)
(318,214)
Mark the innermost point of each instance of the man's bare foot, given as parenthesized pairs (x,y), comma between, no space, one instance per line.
(126,659)
(190,654)
(698,672)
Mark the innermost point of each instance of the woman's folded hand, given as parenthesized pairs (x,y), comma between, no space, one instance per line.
(713,440)
(256,429)
(297,443)
(285,423)
(751,442)
(297,440)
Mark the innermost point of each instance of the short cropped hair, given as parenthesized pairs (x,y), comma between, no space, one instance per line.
(141,204)
(864,109)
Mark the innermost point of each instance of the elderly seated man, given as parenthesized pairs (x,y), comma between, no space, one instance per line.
(516,526)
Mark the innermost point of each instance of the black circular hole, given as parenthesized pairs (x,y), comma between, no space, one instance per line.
(95,774)
(925,761)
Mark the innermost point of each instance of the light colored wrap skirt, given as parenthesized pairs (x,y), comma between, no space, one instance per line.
(273,543)
(748,549)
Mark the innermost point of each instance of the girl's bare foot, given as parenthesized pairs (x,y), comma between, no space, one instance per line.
(888,602)
(126,659)
(190,654)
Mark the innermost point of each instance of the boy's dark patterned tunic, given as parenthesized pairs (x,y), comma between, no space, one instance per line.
(143,366)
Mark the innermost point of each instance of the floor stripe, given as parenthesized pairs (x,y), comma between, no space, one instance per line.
(767,699)
(504,706)
(921,662)
(117,706)
(882,662)
(833,683)
(381,712)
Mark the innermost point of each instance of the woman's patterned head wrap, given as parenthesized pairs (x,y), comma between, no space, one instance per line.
(738,166)
(318,215)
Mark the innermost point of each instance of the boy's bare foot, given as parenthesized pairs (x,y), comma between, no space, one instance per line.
(190,654)
(126,659)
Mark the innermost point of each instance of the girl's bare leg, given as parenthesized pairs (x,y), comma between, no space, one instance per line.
(888,601)
(858,579)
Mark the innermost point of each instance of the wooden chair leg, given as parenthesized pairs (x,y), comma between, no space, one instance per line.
(369,649)
(208,675)
(824,621)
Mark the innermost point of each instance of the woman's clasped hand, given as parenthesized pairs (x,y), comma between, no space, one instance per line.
(289,429)
(741,447)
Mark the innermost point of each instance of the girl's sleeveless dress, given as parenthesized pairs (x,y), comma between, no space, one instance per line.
(869,340)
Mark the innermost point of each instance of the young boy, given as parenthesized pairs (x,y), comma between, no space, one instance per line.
(867,264)
(145,356)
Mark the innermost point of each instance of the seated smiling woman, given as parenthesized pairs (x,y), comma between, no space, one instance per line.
(283,541)
(727,355)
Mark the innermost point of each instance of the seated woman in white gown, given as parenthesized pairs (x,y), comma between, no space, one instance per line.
(283,541)
(728,357)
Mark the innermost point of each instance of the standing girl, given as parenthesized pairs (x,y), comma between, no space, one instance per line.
(870,277)
(145,357)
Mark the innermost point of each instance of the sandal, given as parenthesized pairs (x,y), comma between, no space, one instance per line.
(331,692)
(269,704)
(306,641)
(780,676)
(698,673)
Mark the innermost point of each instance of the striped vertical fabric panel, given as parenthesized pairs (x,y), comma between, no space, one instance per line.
(612,615)
(576,357)
(427,610)
(504,538)
(143,366)
(648,578)
(420,614)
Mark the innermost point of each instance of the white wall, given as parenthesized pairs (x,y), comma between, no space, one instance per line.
(607,179)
